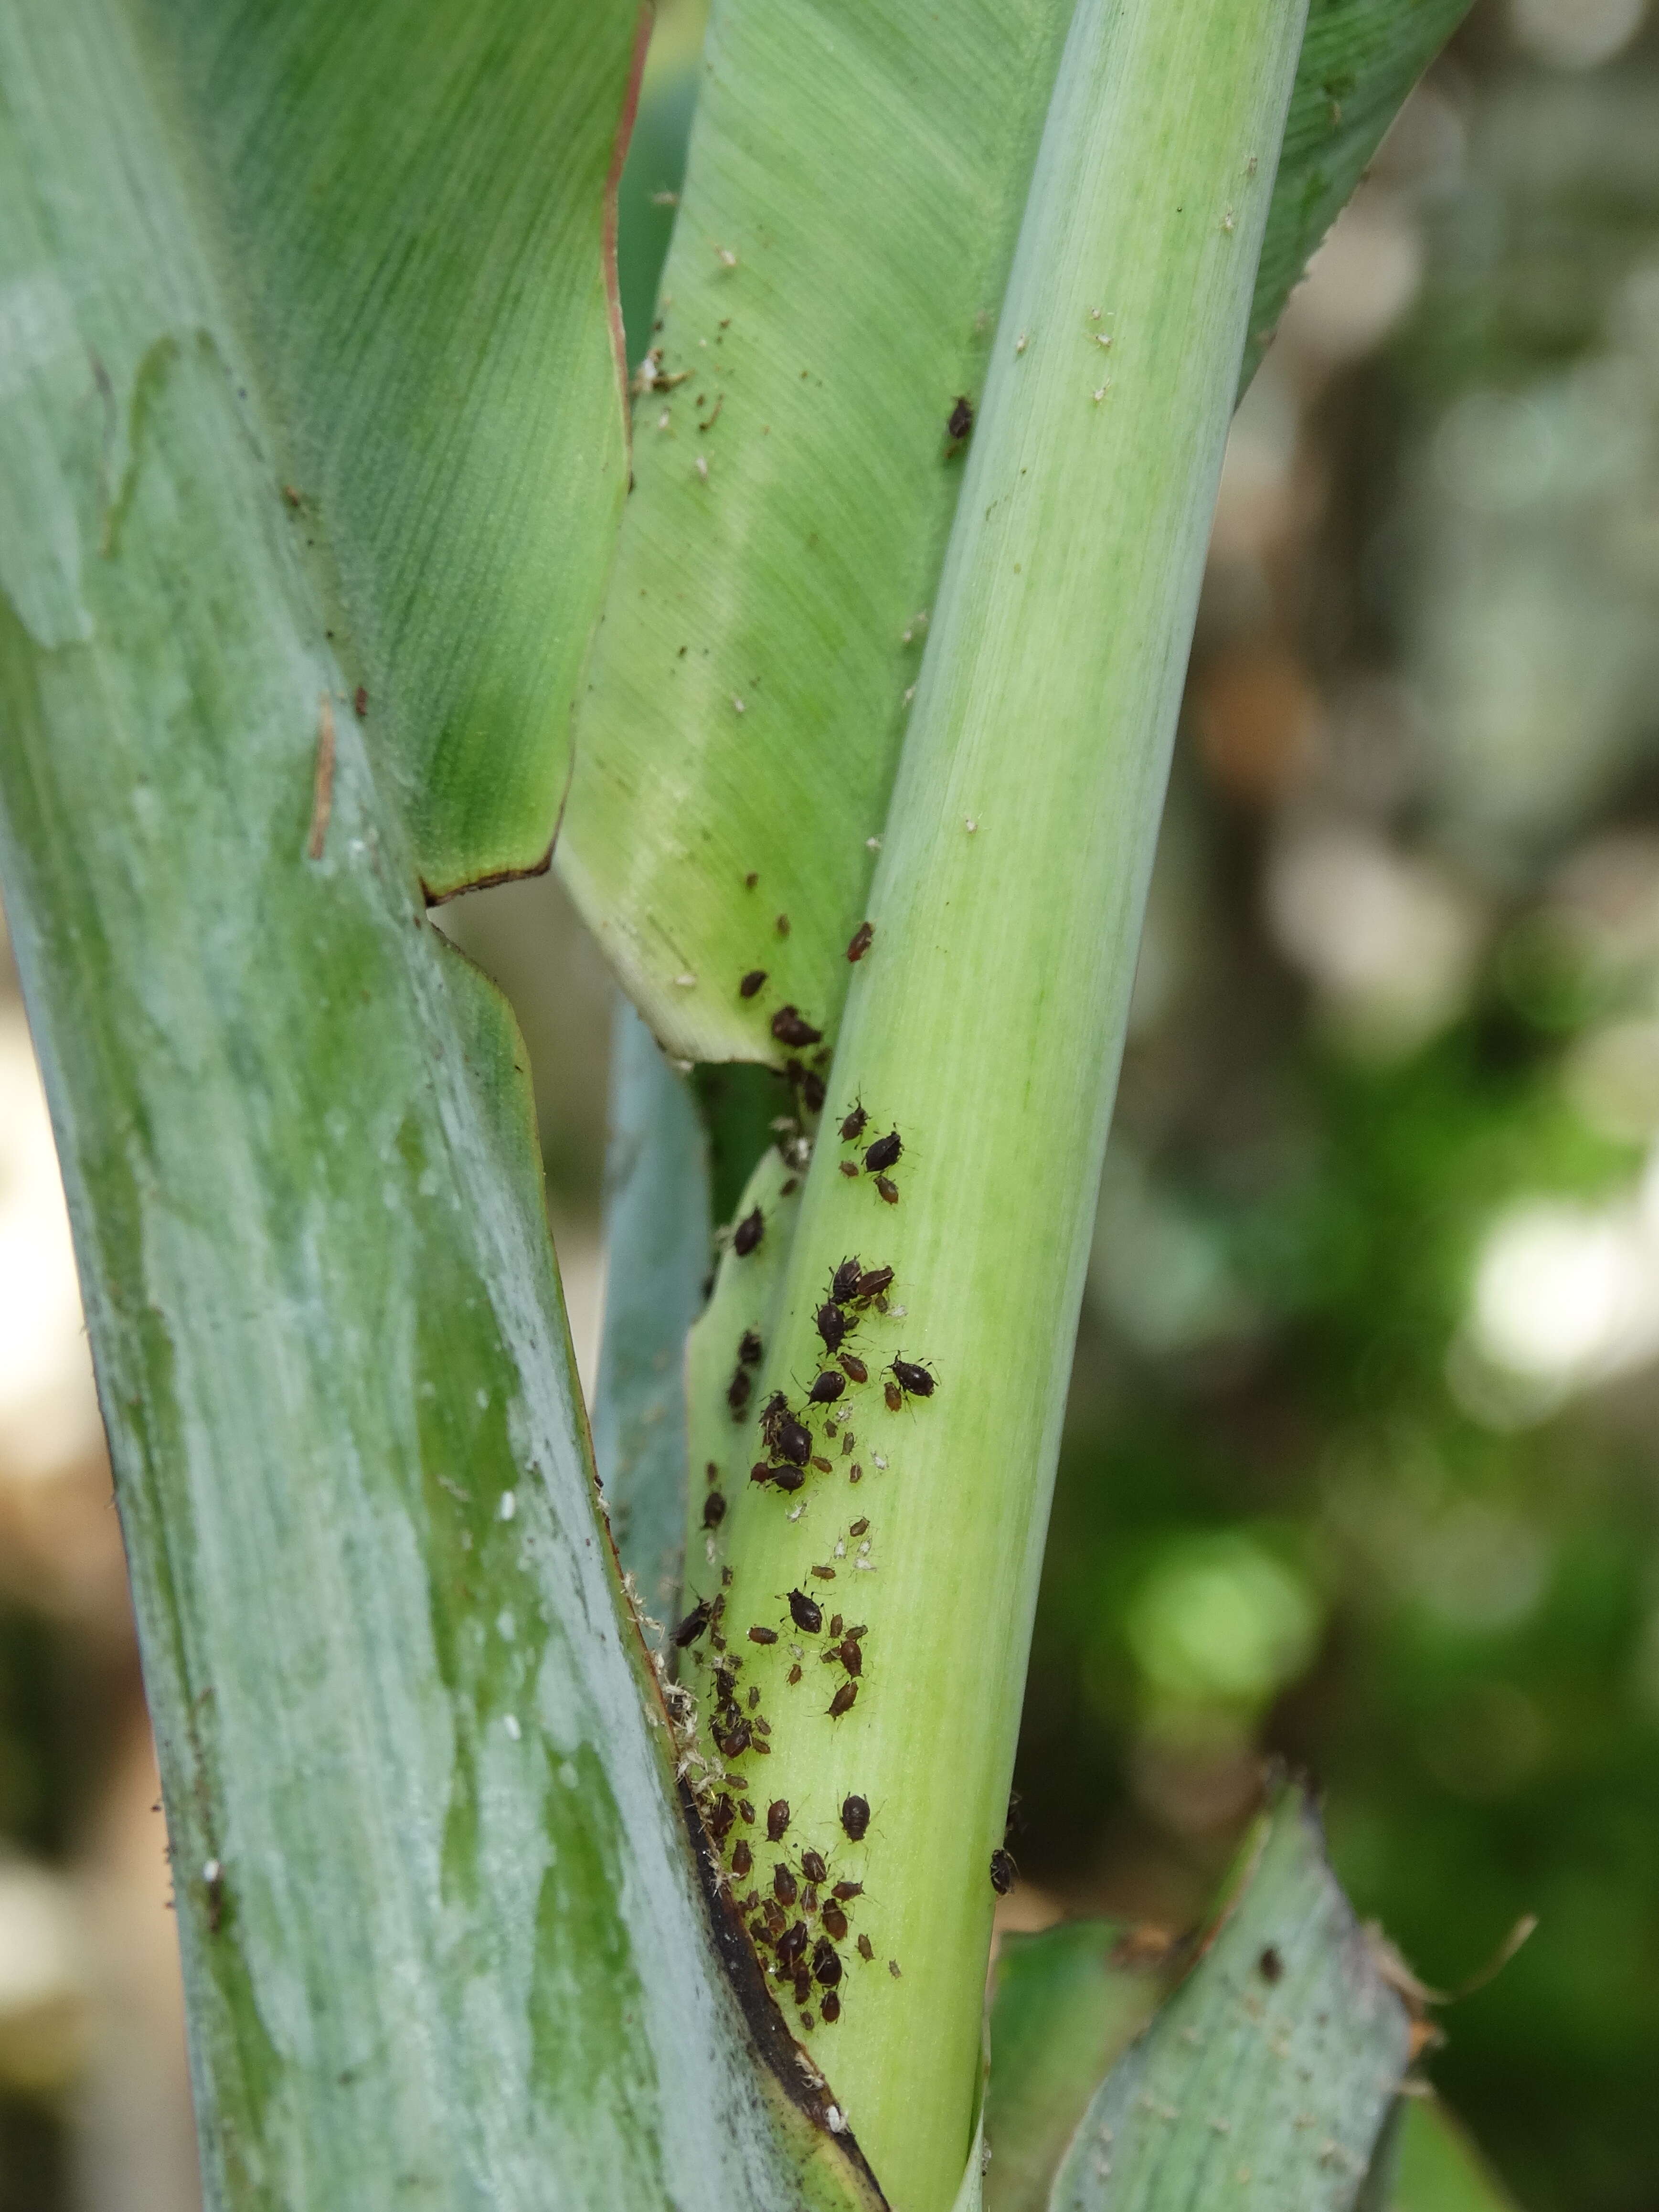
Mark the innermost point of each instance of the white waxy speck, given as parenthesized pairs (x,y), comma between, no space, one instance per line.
(1102,339)
(686,982)
(510,1723)
(835,2120)
(1100,392)
(841,1549)
(873,844)
(728,257)
(508,1506)
(483,1398)
(901,1313)
(798,1651)
(863,1548)
(740,706)
(864,1566)
(796,1515)
(506,1626)
(1094,314)
(663,419)
(909,695)
(879,1462)
(968,823)
(1022,341)
(702,466)
(212,1871)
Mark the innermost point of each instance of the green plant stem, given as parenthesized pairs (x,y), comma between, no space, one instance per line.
(985,1025)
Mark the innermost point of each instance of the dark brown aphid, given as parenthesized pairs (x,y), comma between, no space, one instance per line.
(784,1886)
(827,1388)
(750,1349)
(855,1124)
(747,1810)
(849,1167)
(861,1630)
(811,1091)
(760,1931)
(794,1441)
(893,1969)
(776,1918)
(713,1509)
(754,1699)
(781,925)
(826,1962)
(887,1190)
(855,1817)
(873,1282)
(812,1866)
(721,1814)
(843,1700)
(1003,1871)
(918,1381)
(835,1920)
(821,1463)
(751,879)
(851,1655)
(790,1026)
(1270,1966)
(809,1899)
(748,1233)
(832,1325)
(742,1857)
(960,419)
(738,1390)
(867,1949)
(792,1944)
(863,938)
(794,1674)
(895,1396)
(752,982)
(805,1612)
(735,1740)
(764,1749)
(771,1413)
(853,1368)
(844,1282)
(885,1152)
(824,1574)
(834,1623)
(777,1819)
(758,1634)
(858,1528)
(693,1624)
(360,701)
(831,2007)
(844,1890)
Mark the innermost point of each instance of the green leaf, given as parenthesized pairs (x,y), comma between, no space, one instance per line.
(442,1932)
(405,204)
(839,262)
(1359,59)
(656,1245)
(983,1030)
(1066,2004)
(1266,2078)
(1437,2168)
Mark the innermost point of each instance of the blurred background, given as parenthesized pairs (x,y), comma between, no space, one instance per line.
(1363,1463)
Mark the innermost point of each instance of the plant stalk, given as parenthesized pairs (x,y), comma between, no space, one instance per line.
(985,1027)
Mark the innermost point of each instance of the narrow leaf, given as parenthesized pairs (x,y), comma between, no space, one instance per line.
(840,260)
(1265,2082)
(656,1245)
(1067,2004)
(442,1934)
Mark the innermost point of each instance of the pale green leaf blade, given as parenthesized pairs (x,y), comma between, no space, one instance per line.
(1359,59)
(657,1255)
(842,247)
(1436,2167)
(1265,2081)
(407,204)
(1066,2004)
(442,1930)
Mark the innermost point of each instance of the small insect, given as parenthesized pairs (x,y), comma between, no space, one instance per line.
(917,1381)
(867,1949)
(847,1890)
(360,701)
(1003,1871)
(748,1233)
(851,1655)
(750,1349)
(760,1931)
(831,1325)
(784,1886)
(885,1152)
(835,1921)
(826,1962)
(812,1866)
(794,1440)
(824,1574)
(821,1463)
(777,1819)
(721,1814)
(747,1810)
(794,1674)
(887,1190)
(855,1817)
(742,1857)
(855,1124)
(811,1091)
(738,1390)
(893,1969)
(873,1282)
(713,1509)
(754,1700)
(831,2007)
(855,1371)
(844,1282)
(858,1528)
(788,1478)
(895,1396)
(752,982)
(781,925)
(805,1612)
(753,877)
(1270,1966)
(843,1700)
(849,1168)
(827,1388)
(695,1623)
(735,1740)
(792,1944)
(790,1026)
(834,1623)
(863,938)
(961,422)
